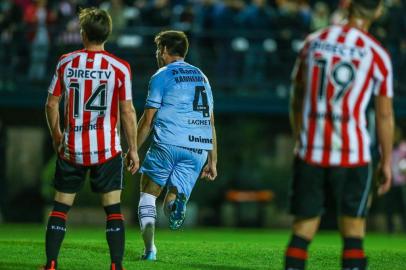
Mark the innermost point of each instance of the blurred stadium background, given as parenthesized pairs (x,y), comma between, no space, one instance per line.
(246,47)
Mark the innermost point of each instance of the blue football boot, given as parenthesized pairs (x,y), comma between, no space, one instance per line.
(178,214)
(149,256)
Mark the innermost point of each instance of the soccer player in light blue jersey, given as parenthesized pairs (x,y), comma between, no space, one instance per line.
(179,112)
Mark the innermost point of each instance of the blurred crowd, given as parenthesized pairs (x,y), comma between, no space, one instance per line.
(255,40)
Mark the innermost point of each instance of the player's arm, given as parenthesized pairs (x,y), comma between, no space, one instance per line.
(296,102)
(385,131)
(129,121)
(52,116)
(298,91)
(152,105)
(145,125)
(52,109)
(384,121)
(210,170)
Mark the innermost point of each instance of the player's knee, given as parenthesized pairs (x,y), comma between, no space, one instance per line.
(306,228)
(352,227)
(149,186)
(111,198)
(65,198)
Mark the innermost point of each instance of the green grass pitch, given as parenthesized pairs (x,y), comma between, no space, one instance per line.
(21,247)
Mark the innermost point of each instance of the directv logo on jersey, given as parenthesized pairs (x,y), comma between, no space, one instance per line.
(88,74)
(340,49)
(199,139)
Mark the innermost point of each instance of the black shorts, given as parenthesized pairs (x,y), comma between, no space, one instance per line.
(105,177)
(349,188)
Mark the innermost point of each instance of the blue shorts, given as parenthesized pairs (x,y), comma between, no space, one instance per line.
(174,166)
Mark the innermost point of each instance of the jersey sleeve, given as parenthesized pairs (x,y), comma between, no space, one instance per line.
(155,91)
(125,88)
(55,88)
(383,74)
(298,70)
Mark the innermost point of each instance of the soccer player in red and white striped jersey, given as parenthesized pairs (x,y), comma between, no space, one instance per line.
(337,72)
(92,83)
(97,93)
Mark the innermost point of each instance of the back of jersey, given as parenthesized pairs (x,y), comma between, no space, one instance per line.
(340,67)
(92,84)
(183,97)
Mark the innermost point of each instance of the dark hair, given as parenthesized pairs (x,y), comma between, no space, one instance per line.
(96,24)
(364,8)
(176,42)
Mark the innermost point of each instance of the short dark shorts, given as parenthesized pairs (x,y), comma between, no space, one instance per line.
(349,188)
(105,177)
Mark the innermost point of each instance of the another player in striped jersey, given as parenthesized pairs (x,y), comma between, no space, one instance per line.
(96,87)
(337,72)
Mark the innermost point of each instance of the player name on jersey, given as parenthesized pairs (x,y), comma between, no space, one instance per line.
(95,126)
(330,115)
(198,122)
(180,79)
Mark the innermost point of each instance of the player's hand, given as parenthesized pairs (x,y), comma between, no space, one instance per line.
(209,171)
(384,174)
(132,161)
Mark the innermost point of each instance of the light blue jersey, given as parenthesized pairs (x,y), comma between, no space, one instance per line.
(183,97)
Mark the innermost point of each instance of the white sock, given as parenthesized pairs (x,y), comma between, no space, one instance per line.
(147,217)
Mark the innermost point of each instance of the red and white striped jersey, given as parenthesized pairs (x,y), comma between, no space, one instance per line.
(93,83)
(339,67)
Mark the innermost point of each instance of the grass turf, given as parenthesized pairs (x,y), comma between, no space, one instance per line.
(21,247)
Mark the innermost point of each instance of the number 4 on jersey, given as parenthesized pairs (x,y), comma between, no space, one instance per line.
(200,91)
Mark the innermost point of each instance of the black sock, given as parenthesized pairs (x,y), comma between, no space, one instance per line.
(115,234)
(353,254)
(55,233)
(296,253)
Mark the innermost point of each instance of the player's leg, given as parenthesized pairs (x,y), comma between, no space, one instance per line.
(147,215)
(115,230)
(56,227)
(353,210)
(189,163)
(170,198)
(107,179)
(68,180)
(306,205)
(353,233)
(155,170)
(303,232)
